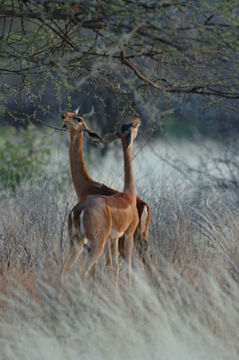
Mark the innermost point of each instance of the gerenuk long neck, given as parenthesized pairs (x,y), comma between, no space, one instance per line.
(129,180)
(80,177)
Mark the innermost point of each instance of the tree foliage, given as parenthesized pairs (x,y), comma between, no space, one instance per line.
(134,49)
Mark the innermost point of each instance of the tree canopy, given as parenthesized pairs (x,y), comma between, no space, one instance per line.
(129,48)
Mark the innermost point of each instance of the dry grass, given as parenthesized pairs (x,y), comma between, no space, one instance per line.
(183,304)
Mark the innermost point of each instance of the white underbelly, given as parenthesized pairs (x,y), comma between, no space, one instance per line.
(114,234)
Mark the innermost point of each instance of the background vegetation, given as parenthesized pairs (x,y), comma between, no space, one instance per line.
(184,301)
(122,56)
(174,64)
(22,155)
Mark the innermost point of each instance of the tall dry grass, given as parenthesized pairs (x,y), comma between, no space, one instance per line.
(183,303)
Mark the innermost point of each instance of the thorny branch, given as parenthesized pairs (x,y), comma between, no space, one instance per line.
(202,90)
(172,47)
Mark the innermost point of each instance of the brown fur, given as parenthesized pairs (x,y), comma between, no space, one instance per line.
(85,185)
(106,216)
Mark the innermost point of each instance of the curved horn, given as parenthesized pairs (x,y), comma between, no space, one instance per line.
(77,110)
(90,113)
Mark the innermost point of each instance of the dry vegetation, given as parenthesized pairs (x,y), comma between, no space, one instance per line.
(184,301)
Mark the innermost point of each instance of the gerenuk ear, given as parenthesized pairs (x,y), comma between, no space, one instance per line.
(128,138)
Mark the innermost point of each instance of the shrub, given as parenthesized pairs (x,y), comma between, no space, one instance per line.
(22,155)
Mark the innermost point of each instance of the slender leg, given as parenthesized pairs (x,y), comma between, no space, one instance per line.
(115,246)
(109,254)
(129,243)
(74,253)
(93,270)
(95,252)
(109,259)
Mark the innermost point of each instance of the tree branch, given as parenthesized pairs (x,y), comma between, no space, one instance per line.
(201,90)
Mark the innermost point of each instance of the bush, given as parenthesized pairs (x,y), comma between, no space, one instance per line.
(22,155)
